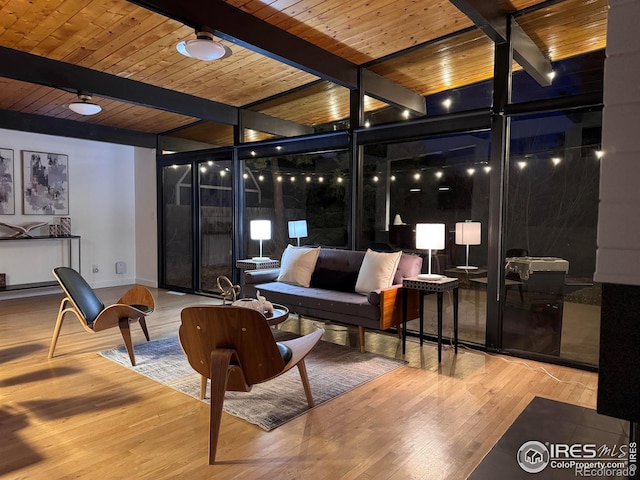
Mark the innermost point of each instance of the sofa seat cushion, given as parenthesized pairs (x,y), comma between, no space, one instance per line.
(327,304)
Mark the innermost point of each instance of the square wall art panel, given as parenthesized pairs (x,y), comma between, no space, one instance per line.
(7,196)
(45,180)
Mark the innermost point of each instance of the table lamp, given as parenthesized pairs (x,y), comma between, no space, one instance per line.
(298,229)
(260,230)
(468,233)
(430,236)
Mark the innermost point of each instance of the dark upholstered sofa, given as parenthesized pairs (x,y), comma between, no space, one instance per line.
(331,295)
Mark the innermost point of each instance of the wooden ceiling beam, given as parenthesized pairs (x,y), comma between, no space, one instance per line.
(499,25)
(241,28)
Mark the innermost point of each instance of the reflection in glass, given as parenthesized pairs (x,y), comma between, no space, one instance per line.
(552,304)
(177,236)
(434,180)
(216,227)
(313,186)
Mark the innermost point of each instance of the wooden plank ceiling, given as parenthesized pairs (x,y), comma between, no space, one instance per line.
(427,47)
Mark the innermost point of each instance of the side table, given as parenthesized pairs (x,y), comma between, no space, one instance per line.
(439,286)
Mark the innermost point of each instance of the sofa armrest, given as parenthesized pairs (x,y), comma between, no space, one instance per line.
(254,277)
(391,306)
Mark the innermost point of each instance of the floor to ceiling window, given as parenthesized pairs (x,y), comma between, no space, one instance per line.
(552,305)
(215,182)
(439,179)
(177,226)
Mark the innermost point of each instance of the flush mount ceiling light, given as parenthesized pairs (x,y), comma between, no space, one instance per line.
(84,105)
(204,47)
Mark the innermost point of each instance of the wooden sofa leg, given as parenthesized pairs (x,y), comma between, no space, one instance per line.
(361,334)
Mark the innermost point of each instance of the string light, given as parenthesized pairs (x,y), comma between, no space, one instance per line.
(307,178)
(416,176)
(556,161)
(471,171)
(261,177)
(522,164)
(438,174)
(375,178)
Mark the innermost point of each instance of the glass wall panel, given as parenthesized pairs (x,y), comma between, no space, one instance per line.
(312,186)
(216,222)
(177,226)
(552,305)
(440,179)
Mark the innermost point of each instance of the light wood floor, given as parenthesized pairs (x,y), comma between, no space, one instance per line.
(79,415)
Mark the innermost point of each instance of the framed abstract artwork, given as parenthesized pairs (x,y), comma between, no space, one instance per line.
(45,183)
(7,189)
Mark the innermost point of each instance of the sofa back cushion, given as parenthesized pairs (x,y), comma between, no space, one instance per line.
(334,280)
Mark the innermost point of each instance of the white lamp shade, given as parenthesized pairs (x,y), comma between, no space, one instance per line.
(260,229)
(468,233)
(298,229)
(430,236)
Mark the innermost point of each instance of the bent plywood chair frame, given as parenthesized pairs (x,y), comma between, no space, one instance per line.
(81,301)
(235,348)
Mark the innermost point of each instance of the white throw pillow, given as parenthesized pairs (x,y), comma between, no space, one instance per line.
(377,271)
(297,265)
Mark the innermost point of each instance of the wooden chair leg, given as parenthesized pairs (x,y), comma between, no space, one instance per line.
(361,334)
(203,386)
(143,325)
(56,330)
(125,330)
(219,370)
(302,368)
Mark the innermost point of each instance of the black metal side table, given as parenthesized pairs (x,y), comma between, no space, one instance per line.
(439,286)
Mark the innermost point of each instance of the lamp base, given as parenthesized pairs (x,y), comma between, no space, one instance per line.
(430,276)
(261,259)
(466,267)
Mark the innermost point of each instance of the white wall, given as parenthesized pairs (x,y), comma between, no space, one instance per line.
(618,256)
(111,204)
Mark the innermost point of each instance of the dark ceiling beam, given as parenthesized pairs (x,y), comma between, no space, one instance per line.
(241,28)
(493,20)
(390,92)
(27,122)
(275,126)
(66,76)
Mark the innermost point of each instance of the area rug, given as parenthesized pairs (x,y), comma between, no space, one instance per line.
(333,370)
(545,423)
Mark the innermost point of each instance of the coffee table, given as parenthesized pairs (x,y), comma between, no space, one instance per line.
(279,315)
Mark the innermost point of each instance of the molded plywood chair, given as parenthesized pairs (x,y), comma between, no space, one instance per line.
(235,348)
(81,300)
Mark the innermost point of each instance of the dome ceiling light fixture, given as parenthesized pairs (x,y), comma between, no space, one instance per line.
(204,47)
(84,105)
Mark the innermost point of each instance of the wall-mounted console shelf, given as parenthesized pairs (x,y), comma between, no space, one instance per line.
(70,250)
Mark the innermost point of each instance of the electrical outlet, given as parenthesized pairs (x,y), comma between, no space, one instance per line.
(121,268)
(95,269)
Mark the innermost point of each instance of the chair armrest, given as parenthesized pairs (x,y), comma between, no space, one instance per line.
(254,277)
(140,297)
(391,306)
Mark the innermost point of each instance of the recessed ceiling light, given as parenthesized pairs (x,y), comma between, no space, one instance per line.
(203,47)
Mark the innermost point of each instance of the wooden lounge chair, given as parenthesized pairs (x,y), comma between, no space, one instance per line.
(235,348)
(81,300)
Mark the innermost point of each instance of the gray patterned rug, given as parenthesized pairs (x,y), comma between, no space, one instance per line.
(333,370)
